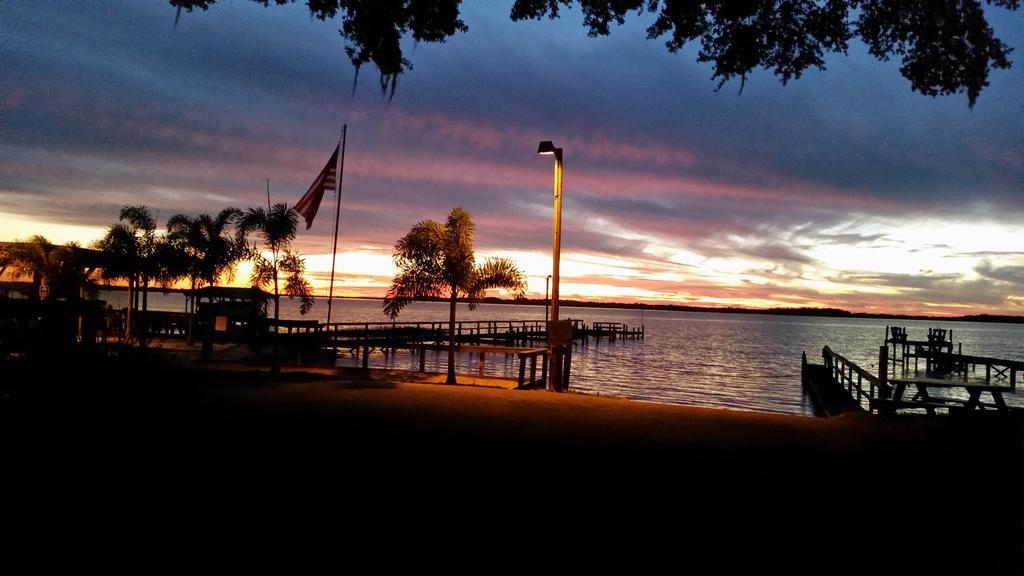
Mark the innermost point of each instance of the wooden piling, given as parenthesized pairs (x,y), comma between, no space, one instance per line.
(883,372)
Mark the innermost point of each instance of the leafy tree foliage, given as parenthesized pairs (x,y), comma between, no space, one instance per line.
(945,46)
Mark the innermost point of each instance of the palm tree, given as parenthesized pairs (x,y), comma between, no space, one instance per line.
(211,248)
(276,229)
(436,261)
(207,247)
(56,267)
(132,248)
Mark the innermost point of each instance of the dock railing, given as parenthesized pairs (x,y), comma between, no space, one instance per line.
(854,379)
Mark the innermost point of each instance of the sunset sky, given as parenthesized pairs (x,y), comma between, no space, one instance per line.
(843,188)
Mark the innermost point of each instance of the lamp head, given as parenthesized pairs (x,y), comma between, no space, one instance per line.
(546,148)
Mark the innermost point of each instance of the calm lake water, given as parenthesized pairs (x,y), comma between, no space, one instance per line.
(737,361)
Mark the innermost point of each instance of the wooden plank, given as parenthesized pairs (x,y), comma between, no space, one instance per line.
(487,349)
(560,333)
(938,383)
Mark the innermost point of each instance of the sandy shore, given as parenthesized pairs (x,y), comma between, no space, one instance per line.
(786,485)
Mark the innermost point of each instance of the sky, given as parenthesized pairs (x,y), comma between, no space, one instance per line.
(842,188)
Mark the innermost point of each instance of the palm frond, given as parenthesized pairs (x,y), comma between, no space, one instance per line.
(408,287)
(138,216)
(263,272)
(419,257)
(276,227)
(496,273)
(459,260)
(296,285)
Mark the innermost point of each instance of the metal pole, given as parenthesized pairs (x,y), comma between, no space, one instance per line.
(557,244)
(556,356)
(337,217)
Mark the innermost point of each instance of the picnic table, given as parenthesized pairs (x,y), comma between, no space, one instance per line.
(924,387)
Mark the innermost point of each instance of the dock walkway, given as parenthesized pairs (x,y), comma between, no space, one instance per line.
(949,384)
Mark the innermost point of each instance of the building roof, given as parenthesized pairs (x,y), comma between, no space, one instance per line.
(232,293)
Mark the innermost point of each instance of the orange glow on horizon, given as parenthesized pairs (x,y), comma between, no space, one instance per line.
(832,276)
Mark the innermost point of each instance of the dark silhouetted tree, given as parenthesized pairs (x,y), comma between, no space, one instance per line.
(945,46)
(131,247)
(59,268)
(276,230)
(436,260)
(208,247)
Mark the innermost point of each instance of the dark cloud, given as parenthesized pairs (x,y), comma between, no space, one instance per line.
(849,238)
(986,254)
(935,288)
(1011,274)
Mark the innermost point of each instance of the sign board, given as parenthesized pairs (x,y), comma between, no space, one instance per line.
(560,333)
(220,324)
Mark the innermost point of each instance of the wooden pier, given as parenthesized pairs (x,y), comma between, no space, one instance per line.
(310,341)
(339,335)
(505,332)
(950,383)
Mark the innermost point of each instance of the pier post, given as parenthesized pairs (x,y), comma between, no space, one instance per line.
(566,369)
(883,372)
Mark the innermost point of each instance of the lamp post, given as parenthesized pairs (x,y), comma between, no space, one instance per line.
(547,299)
(547,148)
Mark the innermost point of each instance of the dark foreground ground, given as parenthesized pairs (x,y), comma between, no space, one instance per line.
(598,481)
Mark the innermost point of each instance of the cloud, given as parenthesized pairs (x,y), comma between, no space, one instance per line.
(953,290)
(1010,274)
(854,239)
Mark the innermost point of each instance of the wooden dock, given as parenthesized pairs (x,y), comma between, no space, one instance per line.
(950,383)
(313,342)
(398,334)
(393,335)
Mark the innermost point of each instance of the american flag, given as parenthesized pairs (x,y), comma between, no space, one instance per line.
(310,201)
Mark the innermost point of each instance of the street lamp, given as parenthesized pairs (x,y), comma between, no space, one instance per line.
(548,148)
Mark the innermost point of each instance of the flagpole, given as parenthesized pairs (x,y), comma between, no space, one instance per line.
(337,218)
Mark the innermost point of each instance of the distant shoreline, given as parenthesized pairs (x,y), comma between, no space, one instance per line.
(812,312)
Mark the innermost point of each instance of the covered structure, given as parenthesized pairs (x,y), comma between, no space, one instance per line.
(64,276)
(227,314)
(47,317)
